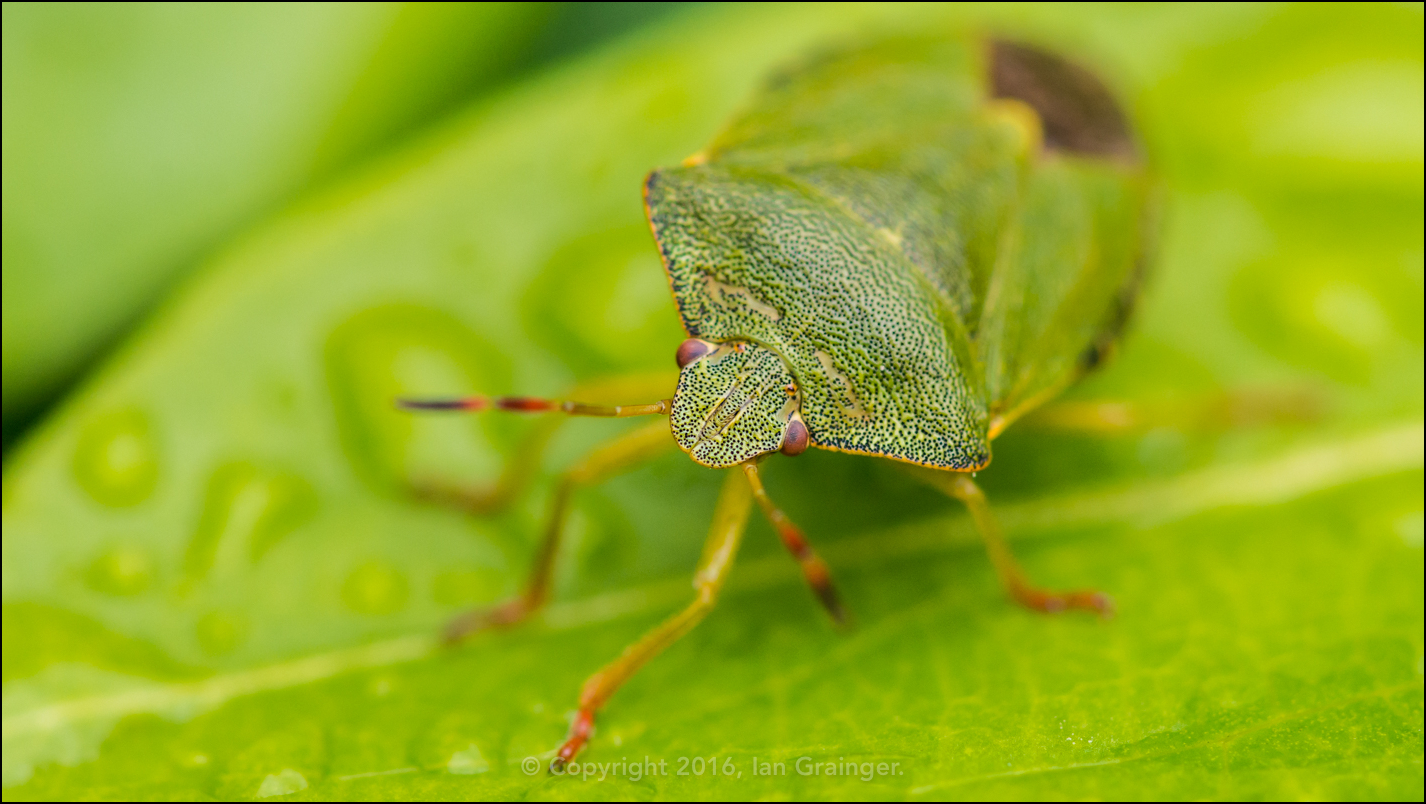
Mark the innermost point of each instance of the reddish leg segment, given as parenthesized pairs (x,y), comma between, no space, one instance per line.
(724,536)
(814,569)
(604,462)
(1012,577)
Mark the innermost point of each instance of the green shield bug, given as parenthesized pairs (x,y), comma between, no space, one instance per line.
(896,250)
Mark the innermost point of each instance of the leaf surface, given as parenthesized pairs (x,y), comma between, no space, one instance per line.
(139,137)
(213,587)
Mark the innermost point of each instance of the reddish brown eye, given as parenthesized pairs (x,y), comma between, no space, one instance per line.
(690,350)
(795,440)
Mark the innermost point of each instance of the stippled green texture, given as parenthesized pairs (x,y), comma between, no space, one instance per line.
(733,404)
(900,238)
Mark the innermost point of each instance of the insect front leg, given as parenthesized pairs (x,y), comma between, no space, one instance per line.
(724,536)
(604,462)
(1012,577)
(814,569)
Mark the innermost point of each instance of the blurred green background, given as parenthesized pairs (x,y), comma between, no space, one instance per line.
(213,586)
(137,137)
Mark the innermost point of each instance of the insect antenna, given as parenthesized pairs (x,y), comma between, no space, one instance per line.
(529,404)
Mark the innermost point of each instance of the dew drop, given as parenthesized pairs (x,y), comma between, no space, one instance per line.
(1352,313)
(375,588)
(467,762)
(116,460)
(286,782)
(602,300)
(122,571)
(245,504)
(221,632)
(1409,528)
(401,350)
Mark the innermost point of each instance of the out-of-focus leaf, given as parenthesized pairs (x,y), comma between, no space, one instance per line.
(138,135)
(213,588)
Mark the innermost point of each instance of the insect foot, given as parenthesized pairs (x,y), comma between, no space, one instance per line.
(1056,602)
(579,733)
(1012,577)
(509,613)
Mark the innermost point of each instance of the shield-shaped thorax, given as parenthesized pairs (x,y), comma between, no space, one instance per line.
(932,233)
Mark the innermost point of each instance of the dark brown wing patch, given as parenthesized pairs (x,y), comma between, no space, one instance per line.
(1078,113)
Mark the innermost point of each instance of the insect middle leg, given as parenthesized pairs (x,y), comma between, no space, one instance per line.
(604,462)
(1012,577)
(724,537)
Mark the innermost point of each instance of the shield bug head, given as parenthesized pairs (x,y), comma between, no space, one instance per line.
(735,401)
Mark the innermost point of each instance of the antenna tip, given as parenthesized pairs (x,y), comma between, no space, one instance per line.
(463,403)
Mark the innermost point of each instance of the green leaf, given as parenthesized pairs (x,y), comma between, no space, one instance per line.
(139,136)
(213,588)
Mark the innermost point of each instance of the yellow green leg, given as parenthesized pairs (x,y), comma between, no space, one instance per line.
(1012,577)
(604,462)
(726,533)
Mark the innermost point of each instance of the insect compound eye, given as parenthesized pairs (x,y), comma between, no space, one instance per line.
(692,349)
(796,439)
